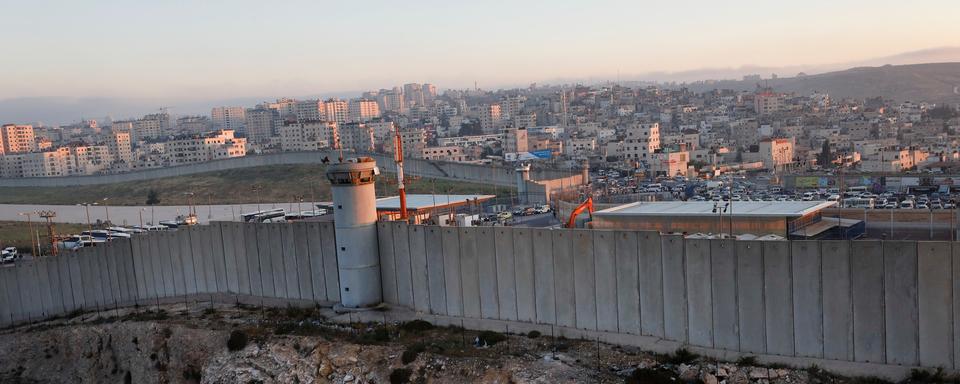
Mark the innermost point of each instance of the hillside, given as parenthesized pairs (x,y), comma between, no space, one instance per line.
(280,183)
(917,82)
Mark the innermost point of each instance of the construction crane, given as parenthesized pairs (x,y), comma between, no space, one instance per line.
(398,158)
(586,205)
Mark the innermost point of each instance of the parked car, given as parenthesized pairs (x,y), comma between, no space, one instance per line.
(504,215)
(9,254)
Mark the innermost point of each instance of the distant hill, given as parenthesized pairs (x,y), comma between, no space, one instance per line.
(937,82)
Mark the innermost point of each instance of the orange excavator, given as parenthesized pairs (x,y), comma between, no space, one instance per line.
(586,205)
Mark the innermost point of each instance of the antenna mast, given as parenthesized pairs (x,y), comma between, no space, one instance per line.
(398,158)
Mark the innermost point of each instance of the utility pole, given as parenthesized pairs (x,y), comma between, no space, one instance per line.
(33,248)
(398,158)
(51,233)
(106,209)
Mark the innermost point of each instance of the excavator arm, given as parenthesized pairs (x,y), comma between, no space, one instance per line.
(586,205)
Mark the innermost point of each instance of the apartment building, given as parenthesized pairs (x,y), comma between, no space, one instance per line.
(641,140)
(451,153)
(17,139)
(357,136)
(768,103)
(669,164)
(363,110)
(259,123)
(776,154)
(229,118)
(308,136)
(221,144)
(310,110)
(490,118)
(336,110)
(893,160)
(515,140)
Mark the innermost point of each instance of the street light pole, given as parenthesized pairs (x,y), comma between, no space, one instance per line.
(106,208)
(89,225)
(141,217)
(33,248)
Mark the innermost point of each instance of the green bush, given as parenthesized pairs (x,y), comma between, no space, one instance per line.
(683,356)
(491,337)
(533,334)
(416,326)
(400,376)
(410,354)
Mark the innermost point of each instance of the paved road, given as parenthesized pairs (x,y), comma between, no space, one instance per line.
(130,215)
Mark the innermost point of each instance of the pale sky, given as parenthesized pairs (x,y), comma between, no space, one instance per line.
(207,49)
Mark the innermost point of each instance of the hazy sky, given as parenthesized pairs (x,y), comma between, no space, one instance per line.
(204,49)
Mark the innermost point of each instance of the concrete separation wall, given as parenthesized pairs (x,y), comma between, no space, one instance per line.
(504,176)
(862,303)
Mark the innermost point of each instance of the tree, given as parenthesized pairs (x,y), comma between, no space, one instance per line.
(825,158)
(153,198)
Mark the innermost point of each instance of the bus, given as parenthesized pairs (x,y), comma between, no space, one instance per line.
(856,202)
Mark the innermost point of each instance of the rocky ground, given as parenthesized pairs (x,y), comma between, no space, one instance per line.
(227,344)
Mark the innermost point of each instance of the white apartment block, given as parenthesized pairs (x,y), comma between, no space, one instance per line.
(642,140)
(580,146)
(776,154)
(363,110)
(309,110)
(259,124)
(469,141)
(768,103)
(515,140)
(669,163)
(211,146)
(893,160)
(308,136)
(356,136)
(230,118)
(336,110)
(146,129)
(17,139)
(490,118)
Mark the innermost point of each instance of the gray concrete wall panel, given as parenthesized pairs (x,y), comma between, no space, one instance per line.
(418,268)
(290,275)
(7,307)
(605,277)
(231,255)
(563,255)
(699,292)
(177,262)
(674,288)
(215,237)
(837,305)
(650,262)
(198,258)
(435,270)
(451,270)
(41,271)
(388,266)
(264,245)
(251,241)
(807,305)
(487,269)
(330,269)
(723,280)
(584,278)
(184,240)
(240,250)
(277,267)
(524,276)
(66,286)
(750,303)
(304,267)
(401,257)
(113,274)
(314,242)
(76,281)
(628,282)
(543,272)
(778,297)
(140,264)
(157,266)
(935,293)
(900,296)
(11,292)
(469,277)
(866,291)
(506,277)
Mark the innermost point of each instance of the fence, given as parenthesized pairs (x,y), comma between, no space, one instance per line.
(892,303)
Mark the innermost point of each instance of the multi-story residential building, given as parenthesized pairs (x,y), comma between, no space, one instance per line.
(310,110)
(17,139)
(768,103)
(363,110)
(193,124)
(642,139)
(429,93)
(286,108)
(308,136)
(413,93)
(383,131)
(893,160)
(580,145)
(515,140)
(469,141)
(391,100)
(90,159)
(147,128)
(490,118)
(336,110)
(451,153)
(259,123)
(214,145)
(776,154)
(230,118)
(357,136)
(511,106)
(118,143)
(669,163)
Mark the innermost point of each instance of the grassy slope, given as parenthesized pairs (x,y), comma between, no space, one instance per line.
(17,233)
(280,184)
